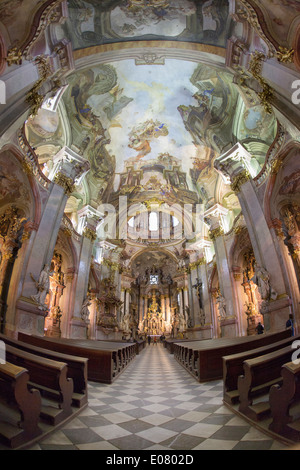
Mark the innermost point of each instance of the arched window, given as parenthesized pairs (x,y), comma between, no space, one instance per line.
(153,222)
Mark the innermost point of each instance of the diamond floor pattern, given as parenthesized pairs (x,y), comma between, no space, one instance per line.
(156,405)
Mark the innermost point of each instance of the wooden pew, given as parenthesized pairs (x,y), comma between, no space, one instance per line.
(233,367)
(50,378)
(77,366)
(103,363)
(170,342)
(207,356)
(140,345)
(19,407)
(285,403)
(260,374)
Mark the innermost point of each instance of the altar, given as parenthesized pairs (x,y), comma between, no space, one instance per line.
(154,323)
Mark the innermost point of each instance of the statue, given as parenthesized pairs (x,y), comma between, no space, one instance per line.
(85,313)
(182,323)
(189,320)
(221,306)
(262,279)
(125,323)
(181,264)
(198,286)
(43,287)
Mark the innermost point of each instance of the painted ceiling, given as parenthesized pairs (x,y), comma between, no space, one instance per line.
(92,22)
(150,127)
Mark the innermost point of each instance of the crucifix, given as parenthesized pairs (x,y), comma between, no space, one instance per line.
(199,286)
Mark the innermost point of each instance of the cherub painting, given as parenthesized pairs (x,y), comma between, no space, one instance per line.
(142,135)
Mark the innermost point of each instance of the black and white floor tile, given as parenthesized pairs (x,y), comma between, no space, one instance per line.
(156,405)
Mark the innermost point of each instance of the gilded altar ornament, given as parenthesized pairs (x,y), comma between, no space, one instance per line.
(285,55)
(65,182)
(14,57)
(239,180)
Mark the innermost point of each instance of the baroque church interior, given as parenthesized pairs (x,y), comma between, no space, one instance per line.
(149,190)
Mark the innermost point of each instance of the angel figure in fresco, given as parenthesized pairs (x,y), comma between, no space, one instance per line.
(142,135)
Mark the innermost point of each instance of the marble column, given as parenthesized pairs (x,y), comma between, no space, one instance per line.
(162,301)
(202,271)
(194,292)
(90,218)
(30,316)
(235,165)
(122,308)
(185,299)
(141,311)
(168,310)
(228,320)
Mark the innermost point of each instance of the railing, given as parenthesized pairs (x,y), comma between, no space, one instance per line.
(31,162)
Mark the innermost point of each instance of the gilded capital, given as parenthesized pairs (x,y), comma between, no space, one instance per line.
(216,233)
(90,234)
(239,180)
(65,182)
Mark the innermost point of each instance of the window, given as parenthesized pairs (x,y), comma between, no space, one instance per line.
(153,279)
(131,222)
(175,221)
(153,222)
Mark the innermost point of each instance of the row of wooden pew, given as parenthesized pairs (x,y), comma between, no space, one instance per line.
(106,359)
(203,359)
(44,382)
(39,390)
(264,387)
(260,375)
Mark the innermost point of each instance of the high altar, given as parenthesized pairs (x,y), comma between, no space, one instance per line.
(154,323)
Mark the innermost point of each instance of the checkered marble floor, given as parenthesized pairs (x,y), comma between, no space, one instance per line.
(156,405)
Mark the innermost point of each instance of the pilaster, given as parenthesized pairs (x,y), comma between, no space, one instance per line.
(89,221)
(235,166)
(30,316)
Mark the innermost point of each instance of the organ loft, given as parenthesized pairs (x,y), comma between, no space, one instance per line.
(149,224)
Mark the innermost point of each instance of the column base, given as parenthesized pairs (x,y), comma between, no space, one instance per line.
(29,318)
(276,313)
(78,329)
(252,322)
(52,328)
(200,332)
(104,334)
(228,327)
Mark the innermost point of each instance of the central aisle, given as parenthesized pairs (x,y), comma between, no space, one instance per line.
(157,405)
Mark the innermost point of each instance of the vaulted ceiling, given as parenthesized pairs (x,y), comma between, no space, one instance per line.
(151,94)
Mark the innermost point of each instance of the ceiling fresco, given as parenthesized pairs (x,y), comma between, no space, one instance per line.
(93,23)
(151,129)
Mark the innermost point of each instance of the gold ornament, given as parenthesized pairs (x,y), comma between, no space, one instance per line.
(285,55)
(65,182)
(90,234)
(239,180)
(216,233)
(14,57)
